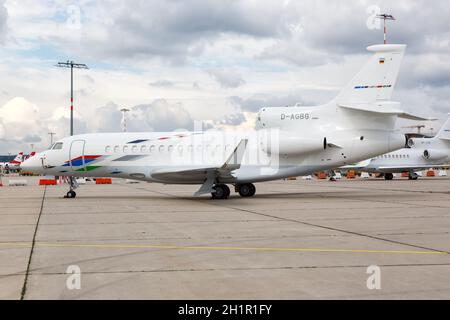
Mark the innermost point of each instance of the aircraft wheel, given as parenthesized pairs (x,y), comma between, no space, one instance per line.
(222,192)
(413,176)
(71,195)
(389,176)
(246,190)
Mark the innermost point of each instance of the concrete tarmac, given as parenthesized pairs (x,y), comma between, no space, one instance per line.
(294,240)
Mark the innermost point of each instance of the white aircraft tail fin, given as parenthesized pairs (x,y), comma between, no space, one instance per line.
(444,133)
(18,159)
(377,79)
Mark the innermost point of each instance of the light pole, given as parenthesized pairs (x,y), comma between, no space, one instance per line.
(51,134)
(71,65)
(385,17)
(124,119)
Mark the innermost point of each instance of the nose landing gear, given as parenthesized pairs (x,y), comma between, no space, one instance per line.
(71,194)
(413,176)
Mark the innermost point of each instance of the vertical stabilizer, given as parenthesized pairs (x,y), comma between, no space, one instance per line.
(377,79)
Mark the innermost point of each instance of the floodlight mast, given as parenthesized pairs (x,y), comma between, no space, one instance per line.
(385,17)
(72,65)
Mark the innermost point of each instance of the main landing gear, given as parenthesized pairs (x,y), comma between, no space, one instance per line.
(71,194)
(389,176)
(222,191)
(246,190)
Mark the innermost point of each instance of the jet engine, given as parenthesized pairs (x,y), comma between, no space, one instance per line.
(287,144)
(434,155)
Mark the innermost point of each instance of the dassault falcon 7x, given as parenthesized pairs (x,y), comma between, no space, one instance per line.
(293,141)
(422,154)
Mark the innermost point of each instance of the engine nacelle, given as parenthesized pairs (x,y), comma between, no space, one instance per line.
(434,155)
(287,144)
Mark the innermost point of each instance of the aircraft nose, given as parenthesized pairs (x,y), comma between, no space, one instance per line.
(33,164)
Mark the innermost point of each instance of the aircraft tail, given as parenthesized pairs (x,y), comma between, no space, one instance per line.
(444,133)
(377,79)
(29,156)
(18,159)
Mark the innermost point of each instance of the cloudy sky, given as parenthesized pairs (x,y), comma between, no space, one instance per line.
(175,62)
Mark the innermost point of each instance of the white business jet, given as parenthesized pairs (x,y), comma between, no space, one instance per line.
(13,165)
(422,154)
(293,141)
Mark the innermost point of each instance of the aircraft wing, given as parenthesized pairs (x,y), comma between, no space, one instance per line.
(409,168)
(207,175)
(186,174)
(358,166)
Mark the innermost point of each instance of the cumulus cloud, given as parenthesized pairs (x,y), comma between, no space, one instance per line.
(159,115)
(227,79)
(257,102)
(164,116)
(235,121)
(22,124)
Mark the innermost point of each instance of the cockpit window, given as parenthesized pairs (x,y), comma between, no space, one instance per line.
(58,146)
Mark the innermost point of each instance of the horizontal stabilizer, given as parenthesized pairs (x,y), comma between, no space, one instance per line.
(444,133)
(387,108)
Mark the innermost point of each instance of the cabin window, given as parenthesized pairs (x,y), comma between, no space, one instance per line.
(144,149)
(116,149)
(161,148)
(108,149)
(152,149)
(58,146)
(134,149)
(125,149)
(170,149)
(180,149)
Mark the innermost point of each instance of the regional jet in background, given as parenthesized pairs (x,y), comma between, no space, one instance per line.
(13,165)
(293,141)
(422,154)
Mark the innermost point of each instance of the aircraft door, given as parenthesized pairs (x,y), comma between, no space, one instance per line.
(77,155)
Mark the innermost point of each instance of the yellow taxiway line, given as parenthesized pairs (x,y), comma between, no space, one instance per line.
(211,248)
